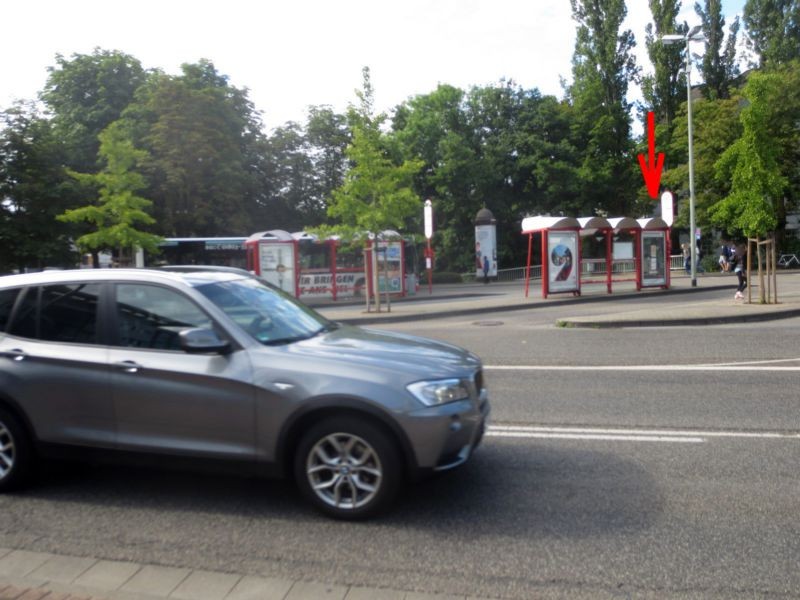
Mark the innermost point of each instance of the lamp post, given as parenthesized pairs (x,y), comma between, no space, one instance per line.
(693,35)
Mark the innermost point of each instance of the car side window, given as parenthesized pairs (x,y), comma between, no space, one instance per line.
(150,316)
(7,299)
(68,313)
(24,323)
(58,313)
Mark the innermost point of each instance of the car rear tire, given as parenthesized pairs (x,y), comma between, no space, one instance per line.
(16,455)
(348,468)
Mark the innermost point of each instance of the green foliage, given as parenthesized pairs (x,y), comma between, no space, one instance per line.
(118,209)
(86,93)
(34,189)
(377,193)
(751,164)
(603,65)
(716,126)
(665,89)
(773,28)
(718,66)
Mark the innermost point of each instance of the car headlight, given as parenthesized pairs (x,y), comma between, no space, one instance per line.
(434,393)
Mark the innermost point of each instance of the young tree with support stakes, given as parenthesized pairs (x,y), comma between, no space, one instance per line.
(377,192)
(119,209)
(752,166)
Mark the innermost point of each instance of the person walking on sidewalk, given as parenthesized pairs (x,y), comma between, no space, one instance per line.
(737,260)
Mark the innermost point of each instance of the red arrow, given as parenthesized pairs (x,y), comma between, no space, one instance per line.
(652,172)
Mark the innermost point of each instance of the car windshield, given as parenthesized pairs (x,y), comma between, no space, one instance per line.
(269,315)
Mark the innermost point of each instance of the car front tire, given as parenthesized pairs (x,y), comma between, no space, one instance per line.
(347,468)
(16,456)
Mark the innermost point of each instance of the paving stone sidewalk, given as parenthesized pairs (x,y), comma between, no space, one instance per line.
(28,575)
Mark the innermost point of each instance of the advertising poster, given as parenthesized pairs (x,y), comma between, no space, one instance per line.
(485,251)
(392,252)
(563,261)
(320,285)
(654,266)
(277,265)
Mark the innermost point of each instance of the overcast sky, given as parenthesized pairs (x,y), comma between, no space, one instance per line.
(298,53)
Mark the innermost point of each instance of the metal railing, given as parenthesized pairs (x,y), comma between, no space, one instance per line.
(589,267)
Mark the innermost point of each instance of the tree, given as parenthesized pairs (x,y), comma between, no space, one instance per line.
(718,66)
(34,188)
(204,142)
(602,66)
(665,89)
(716,127)
(751,164)
(87,93)
(118,210)
(773,28)
(376,194)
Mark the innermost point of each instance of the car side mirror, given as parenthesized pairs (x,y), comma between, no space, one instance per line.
(203,341)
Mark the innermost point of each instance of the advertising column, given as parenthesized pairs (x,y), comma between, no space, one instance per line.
(485,245)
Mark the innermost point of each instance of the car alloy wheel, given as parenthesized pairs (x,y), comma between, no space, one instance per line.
(344,471)
(7,452)
(16,456)
(347,467)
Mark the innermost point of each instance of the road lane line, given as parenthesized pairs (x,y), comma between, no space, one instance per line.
(662,435)
(588,436)
(750,367)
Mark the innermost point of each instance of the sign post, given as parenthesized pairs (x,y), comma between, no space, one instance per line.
(428,213)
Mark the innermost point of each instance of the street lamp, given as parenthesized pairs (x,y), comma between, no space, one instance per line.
(693,35)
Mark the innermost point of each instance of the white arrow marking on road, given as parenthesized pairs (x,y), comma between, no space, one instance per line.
(633,435)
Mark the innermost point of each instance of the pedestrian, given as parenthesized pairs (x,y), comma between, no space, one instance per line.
(724,257)
(485,269)
(687,258)
(738,269)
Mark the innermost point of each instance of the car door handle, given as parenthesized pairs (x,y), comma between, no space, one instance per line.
(128,366)
(15,354)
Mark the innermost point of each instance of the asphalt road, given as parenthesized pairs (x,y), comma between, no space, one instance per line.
(644,463)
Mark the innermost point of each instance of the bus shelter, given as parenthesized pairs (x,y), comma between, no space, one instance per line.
(654,252)
(633,250)
(560,253)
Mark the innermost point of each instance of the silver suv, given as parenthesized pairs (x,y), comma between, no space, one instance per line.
(222,368)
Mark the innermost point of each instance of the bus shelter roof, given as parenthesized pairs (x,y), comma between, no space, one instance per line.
(272,234)
(591,224)
(653,223)
(540,223)
(621,223)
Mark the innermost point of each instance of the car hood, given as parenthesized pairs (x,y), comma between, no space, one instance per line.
(395,351)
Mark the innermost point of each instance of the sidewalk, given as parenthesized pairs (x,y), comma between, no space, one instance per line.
(622,308)
(43,576)
(28,575)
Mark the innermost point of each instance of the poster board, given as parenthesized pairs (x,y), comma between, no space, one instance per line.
(277,261)
(654,262)
(562,256)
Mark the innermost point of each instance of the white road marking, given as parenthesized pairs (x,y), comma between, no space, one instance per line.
(630,435)
(744,367)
